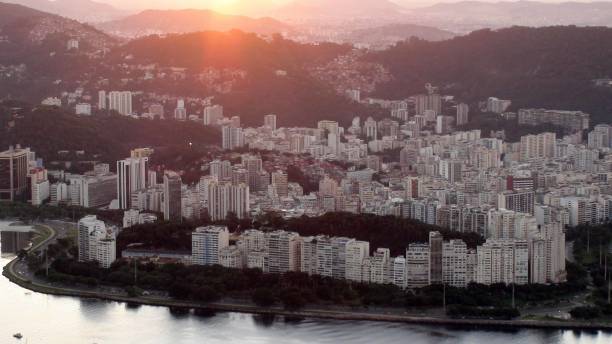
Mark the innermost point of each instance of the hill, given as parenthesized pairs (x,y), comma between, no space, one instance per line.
(226,49)
(22,26)
(469,15)
(338,9)
(183,21)
(105,138)
(553,67)
(34,53)
(296,96)
(81,10)
(392,33)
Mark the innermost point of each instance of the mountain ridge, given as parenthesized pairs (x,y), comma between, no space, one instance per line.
(189,20)
(338,9)
(477,14)
(81,10)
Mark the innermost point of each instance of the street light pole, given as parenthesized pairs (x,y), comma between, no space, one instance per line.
(609,287)
(444,296)
(588,240)
(135,271)
(606,267)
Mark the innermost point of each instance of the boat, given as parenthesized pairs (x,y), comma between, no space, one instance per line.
(18,335)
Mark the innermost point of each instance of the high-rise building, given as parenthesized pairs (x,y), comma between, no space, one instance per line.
(86,227)
(180,113)
(14,174)
(102,100)
(221,169)
(435,258)
(503,261)
(463,111)
(370,129)
(280,183)
(83,109)
(331,127)
(571,120)
(519,200)
(235,122)
(172,196)
(131,176)
(356,252)
(239,200)
(308,255)
(324,259)
(39,186)
(157,110)
(141,153)
(207,243)
(253,240)
(417,265)
(496,105)
(377,266)
(547,255)
(94,191)
(231,257)
(283,251)
(59,194)
(428,102)
(443,124)
(96,242)
(270,121)
(454,263)
(254,166)
(120,101)
(339,250)
(538,146)
(232,137)
(219,200)
(212,114)
(397,272)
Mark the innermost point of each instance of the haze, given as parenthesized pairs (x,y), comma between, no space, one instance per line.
(248,6)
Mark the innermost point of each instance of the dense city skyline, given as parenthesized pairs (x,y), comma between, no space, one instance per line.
(346,160)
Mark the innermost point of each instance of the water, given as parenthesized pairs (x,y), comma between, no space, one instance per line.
(44,319)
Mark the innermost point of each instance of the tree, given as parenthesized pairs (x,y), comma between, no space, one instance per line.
(263,297)
(293,300)
(585,312)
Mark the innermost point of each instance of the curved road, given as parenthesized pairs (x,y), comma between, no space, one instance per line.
(51,235)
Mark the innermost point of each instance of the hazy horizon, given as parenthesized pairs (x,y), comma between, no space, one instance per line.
(261,6)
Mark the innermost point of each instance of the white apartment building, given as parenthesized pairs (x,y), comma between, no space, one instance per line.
(454,263)
(207,242)
(417,265)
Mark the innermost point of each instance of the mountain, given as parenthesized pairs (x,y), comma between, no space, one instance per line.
(469,15)
(387,35)
(183,21)
(338,9)
(81,10)
(295,95)
(107,137)
(22,27)
(34,55)
(552,67)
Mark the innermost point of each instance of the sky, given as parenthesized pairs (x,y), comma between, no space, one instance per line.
(250,6)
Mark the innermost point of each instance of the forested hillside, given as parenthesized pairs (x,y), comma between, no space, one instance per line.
(550,67)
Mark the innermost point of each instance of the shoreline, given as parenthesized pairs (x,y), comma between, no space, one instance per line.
(9,273)
(12,276)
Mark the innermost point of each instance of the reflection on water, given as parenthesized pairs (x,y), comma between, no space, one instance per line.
(44,319)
